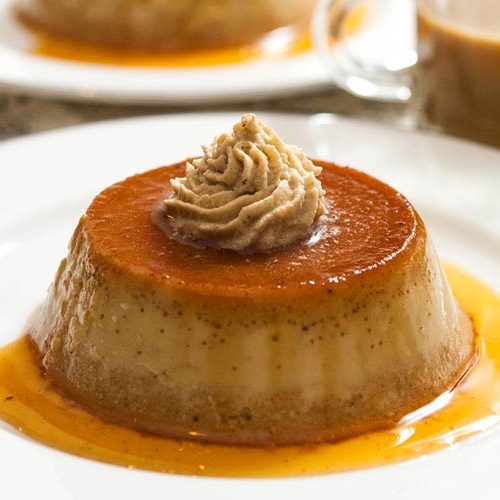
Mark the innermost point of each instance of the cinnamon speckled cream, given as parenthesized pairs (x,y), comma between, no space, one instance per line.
(249,192)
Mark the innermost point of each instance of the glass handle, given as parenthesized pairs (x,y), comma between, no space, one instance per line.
(368,47)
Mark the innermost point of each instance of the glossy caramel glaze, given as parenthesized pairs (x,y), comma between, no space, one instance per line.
(30,404)
(369,224)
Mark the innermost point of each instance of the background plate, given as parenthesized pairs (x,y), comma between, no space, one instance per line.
(47,180)
(23,71)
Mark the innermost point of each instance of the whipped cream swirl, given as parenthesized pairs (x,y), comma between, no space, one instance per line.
(248,192)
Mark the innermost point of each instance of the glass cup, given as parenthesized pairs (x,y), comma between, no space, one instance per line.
(440,56)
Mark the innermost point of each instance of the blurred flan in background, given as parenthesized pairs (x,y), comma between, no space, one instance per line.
(165,24)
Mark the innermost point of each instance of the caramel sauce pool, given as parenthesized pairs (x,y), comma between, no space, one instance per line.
(472,410)
(59,48)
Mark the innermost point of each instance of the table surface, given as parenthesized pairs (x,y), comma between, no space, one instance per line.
(21,115)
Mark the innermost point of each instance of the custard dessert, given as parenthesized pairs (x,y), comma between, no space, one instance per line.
(252,296)
(164,24)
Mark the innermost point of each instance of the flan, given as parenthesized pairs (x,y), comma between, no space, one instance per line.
(164,24)
(331,336)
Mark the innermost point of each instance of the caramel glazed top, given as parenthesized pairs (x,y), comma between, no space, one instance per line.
(368,225)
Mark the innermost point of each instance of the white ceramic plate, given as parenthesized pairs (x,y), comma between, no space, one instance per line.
(23,71)
(47,180)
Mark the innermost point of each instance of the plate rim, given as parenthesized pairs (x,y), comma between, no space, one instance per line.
(327,118)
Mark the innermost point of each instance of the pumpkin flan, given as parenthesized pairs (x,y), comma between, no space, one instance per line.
(334,334)
(164,24)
